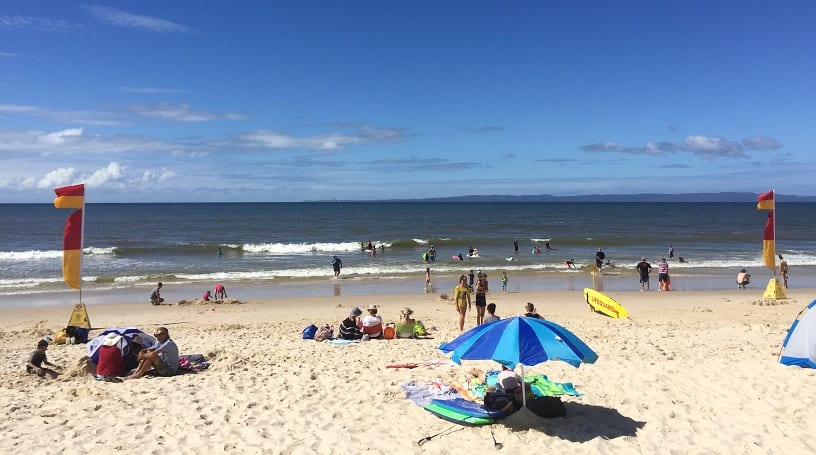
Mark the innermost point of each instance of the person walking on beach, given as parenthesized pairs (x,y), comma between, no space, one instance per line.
(783,270)
(461,295)
(599,258)
(671,251)
(515,245)
(428,285)
(663,275)
(471,277)
(337,264)
(481,298)
(504,282)
(644,268)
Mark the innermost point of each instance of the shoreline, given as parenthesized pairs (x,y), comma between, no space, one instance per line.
(365,286)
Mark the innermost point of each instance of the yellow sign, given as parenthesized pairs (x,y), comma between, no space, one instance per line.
(774,290)
(79,317)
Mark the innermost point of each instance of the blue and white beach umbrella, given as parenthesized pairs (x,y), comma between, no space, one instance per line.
(127,334)
(521,341)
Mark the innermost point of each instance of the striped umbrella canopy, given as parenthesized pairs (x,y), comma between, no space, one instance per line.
(127,334)
(520,340)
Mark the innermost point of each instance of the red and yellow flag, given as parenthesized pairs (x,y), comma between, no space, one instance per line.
(766,201)
(72,197)
(768,240)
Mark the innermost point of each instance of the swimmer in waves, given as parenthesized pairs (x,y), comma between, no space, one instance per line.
(570,263)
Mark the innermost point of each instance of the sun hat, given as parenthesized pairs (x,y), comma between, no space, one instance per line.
(356,311)
(371,307)
(111,339)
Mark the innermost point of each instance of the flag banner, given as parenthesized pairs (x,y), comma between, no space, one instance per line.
(72,197)
(768,247)
(765,201)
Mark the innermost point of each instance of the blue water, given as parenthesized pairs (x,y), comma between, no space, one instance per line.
(281,245)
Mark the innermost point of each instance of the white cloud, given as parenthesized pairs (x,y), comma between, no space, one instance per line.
(124,19)
(35,23)
(150,90)
(73,117)
(332,142)
(713,146)
(113,171)
(7,54)
(58,137)
(57,178)
(182,113)
(158,176)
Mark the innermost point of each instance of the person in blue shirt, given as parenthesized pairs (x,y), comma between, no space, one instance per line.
(337,264)
(162,357)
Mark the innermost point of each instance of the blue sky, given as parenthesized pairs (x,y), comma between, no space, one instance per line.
(154,101)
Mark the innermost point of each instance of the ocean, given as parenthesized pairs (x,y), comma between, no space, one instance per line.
(282,249)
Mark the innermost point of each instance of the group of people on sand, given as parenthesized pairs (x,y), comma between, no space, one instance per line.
(371,326)
(220,294)
(114,363)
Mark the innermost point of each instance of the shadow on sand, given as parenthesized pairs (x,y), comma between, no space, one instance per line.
(583,423)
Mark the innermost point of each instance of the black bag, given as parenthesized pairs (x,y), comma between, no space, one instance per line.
(547,407)
(501,401)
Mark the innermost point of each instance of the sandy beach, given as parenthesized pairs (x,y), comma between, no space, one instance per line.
(690,372)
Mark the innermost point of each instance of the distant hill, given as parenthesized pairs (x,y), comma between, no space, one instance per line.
(640,197)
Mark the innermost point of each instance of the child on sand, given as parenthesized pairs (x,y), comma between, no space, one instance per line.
(504,281)
(37,359)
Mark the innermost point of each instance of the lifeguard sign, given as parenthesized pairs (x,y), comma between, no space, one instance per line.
(79,317)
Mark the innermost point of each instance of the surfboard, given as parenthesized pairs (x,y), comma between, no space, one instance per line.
(604,304)
(461,411)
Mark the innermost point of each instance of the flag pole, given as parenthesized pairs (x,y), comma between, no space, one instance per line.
(82,243)
(774,230)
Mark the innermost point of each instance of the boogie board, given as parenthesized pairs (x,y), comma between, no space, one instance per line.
(464,412)
(602,303)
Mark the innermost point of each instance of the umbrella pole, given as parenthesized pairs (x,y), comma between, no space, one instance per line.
(523,389)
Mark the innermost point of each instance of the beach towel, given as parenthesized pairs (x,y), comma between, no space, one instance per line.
(342,342)
(543,387)
(423,392)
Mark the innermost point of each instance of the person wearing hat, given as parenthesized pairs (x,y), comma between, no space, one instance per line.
(37,359)
(407,325)
(350,327)
(162,357)
(372,324)
(110,364)
(643,269)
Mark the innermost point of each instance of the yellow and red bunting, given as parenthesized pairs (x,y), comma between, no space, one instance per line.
(70,197)
(768,240)
(765,201)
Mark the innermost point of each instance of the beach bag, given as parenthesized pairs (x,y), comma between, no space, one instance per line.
(309,332)
(419,329)
(547,407)
(324,333)
(501,401)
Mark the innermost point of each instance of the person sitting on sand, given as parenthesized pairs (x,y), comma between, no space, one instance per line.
(37,359)
(491,314)
(110,364)
(349,328)
(162,357)
(530,311)
(155,295)
(406,327)
(372,324)
(130,355)
(743,278)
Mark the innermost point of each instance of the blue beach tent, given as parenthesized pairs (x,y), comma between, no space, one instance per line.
(799,347)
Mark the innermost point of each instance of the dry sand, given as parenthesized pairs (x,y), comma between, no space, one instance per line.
(690,372)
